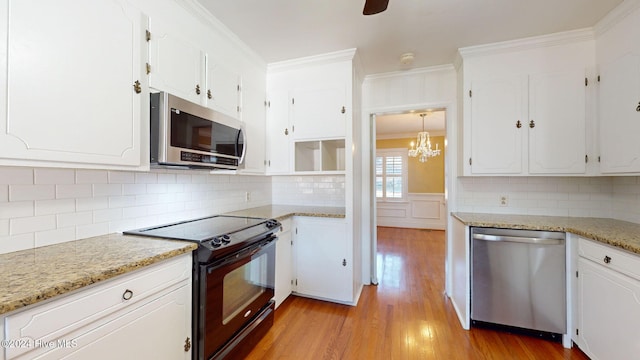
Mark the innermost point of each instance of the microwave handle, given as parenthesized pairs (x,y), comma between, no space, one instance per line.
(243,133)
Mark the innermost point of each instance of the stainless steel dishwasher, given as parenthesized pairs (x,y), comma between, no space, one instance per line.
(518,280)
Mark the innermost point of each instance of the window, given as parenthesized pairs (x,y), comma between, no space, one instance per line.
(391,174)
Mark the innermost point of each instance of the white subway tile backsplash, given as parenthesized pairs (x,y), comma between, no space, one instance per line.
(16,176)
(58,205)
(50,237)
(16,242)
(121,177)
(4,193)
(32,224)
(107,215)
(85,204)
(17,209)
(4,227)
(74,219)
(48,207)
(85,231)
(74,191)
(92,176)
(107,189)
(122,201)
(146,178)
(31,192)
(54,176)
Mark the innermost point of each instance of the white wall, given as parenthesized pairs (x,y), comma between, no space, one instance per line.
(41,206)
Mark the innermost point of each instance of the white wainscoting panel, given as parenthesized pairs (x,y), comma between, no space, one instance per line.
(419,211)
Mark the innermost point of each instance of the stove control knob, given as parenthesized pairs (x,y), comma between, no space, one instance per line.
(216,241)
(225,239)
(271,224)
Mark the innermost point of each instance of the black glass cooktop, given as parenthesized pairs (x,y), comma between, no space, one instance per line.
(203,229)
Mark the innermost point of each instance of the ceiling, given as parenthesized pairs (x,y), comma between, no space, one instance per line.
(431,29)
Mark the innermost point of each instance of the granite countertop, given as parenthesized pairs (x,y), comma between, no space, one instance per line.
(281,212)
(34,275)
(622,234)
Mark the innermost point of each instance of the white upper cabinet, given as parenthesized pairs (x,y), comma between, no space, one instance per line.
(524,106)
(556,123)
(76,93)
(496,125)
(176,65)
(223,89)
(618,57)
(319,112)
(253,115)
(310,106)
(278,133)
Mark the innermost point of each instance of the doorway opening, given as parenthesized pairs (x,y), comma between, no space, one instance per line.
(405,191)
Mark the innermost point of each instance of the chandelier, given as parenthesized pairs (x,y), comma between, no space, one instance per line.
(423,148)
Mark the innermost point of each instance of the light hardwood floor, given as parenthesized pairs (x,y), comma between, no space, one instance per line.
(407,316)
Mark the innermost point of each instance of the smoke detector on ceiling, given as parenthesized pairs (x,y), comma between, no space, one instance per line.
(406,58)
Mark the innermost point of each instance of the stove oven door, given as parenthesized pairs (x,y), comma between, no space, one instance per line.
(232,292)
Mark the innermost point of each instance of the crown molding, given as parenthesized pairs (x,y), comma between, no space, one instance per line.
(200,12)
(561,38)
(327,58)
(616,15)
(424,70)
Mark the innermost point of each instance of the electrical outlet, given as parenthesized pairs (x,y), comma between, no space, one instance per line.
(504,200)
(247,196)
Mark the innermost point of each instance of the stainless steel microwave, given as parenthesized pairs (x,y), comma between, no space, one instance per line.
(185,134)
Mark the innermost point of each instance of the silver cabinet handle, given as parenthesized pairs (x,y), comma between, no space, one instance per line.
(518,239)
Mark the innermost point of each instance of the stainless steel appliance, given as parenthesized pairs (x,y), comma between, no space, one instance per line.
(233,281)
(518,280)
(189,135)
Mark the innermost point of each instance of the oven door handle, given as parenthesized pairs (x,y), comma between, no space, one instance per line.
(242,254)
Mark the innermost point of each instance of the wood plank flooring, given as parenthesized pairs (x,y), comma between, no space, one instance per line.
(407,316)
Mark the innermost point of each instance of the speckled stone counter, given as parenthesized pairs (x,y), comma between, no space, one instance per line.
(34,275)
(623,234)
(280,212)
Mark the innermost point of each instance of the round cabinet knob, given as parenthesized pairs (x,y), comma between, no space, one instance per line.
(607,260)
(127,295)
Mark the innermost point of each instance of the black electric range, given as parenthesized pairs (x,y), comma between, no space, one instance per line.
(216,235)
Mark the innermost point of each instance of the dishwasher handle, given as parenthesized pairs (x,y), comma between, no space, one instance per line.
(518,239)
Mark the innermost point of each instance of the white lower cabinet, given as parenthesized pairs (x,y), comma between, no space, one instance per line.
(323,262)
(608,302)
(145,314)
(284,263)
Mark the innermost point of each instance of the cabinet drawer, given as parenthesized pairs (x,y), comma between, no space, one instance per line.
(610,257)
(54,319)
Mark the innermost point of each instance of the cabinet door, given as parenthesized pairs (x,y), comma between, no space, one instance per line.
(160,329)
(557,140)
(69,92)
(224,87)
(323,263)
(284,267)
(319,112)
(618,114)
(608,309)
(177,66)
(496,140)
(278,134)
(254,118)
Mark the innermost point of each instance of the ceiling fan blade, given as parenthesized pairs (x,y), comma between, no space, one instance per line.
(374,6)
